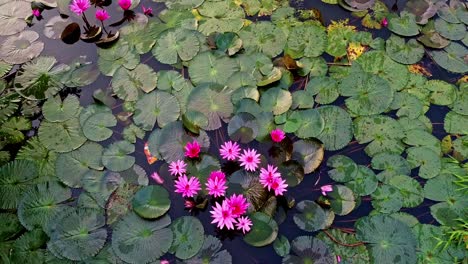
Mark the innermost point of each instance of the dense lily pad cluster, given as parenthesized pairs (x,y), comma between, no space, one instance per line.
(75,184)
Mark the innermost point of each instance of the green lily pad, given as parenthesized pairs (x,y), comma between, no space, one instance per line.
(151,202)
(365,182)
(54,110)
(78,234)
(313,67)
(309,153)
(264,230)
(97,127)
(405,25)
(243,127)
(15,178)
(410,190)
(188,237)
(356,255)
(119,55)
(312,124)
(386,199)
(455,123)
(306,41)
(337,132)
(406,53)
(213,101)
(41,204)
(10,226)
(302,100)
(175,45)
(211,252)
(292,171)
(324,88)
(36,152)
(311,217)
(209,67)
(426,159)
(388,239)
(390,165)
(63,136)
(282,246)
(442,93)
(71,167)
(116,156)
(418,137)
(128,85)
(449,30)
(276,100)
(29,246)
(157,106)
(344,168)
(136,240)
(308,249)
(220,16)
(452,58)
(263,37)
(408,105)
(341,200)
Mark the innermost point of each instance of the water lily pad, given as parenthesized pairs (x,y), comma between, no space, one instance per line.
(61,137)
(309,153)
(176,45)
(211,252)
(408,105)
(263,37)
(405,25)
(264,230)
(386,199)
(276,100)
(243,127)
(292,171)
(391,166)
(312,124)
(426,159)
(455,123)
(410,190)
(452,58)
(282,246)
(388,239)
(36,152)
(341,200)
(337,132)
(188,237)
(220,16)
(136,240)
(119,55)
(29,246)
(116,156)
(311,217)
(325,89)
(208,67)
(306,41)
(98,126)
(213,101)
(10,226)
(357,254)
(54,27)
(418,137)
(369,94)
(16,178)
(78,235)
(13,16)
(151,202)
(172,80)
(406,53)
(344,168)
(71,167)
(41,204)
(308,249)
(157,106)
(128,85)
(21,48)
(365,182)
(449,30)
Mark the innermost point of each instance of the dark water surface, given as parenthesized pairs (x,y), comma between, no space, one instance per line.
(307,190)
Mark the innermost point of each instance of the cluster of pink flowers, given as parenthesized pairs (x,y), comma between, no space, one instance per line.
(271,179)
(230,212)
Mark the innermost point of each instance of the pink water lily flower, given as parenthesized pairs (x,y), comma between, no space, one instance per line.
(177,168)
(79,6)
(148,11)
(279,186)
(222,215)
(125,4)
(155,176)
(216,184)
(249,159)
(189,204)
(229,150)
(325,189)
(187,187)
(277,135)
(163,261)
(384,22)
(36,12)
(192,150)
(268,176)
(238,204)
(243,224)
(102,15)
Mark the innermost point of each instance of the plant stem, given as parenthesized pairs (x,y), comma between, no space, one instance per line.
(88,26)
(103,27)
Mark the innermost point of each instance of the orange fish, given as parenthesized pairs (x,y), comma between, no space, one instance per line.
(151,159)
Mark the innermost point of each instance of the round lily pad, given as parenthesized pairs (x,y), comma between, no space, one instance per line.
(405,25)
(455,123)
(21,48)
(341,199)
(63,136)
(337,132)
(391,165)
(308,249)
(388,239)
(15,178)
(175,45)
(13,16)
(151,202)
(54,110)
(243,127)
(128,85)
(309,153)
(211,252)
(306,41)
(426,159)
(357,254)
(276,100)
(157,106)
(410,190)
(312,124)
(452,58)
(325,89)
(450,30)
(387,199)
(208,67)
(188,237)
(136,240)
(311,217)
(97,127)
(344,168)
(116,156)
(442,93)
(365,182)
(292,171)
(406,53)
(263,37)
(10,226)
(282,246)
(264,230)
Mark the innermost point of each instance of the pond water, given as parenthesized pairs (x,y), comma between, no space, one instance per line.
(308,189)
